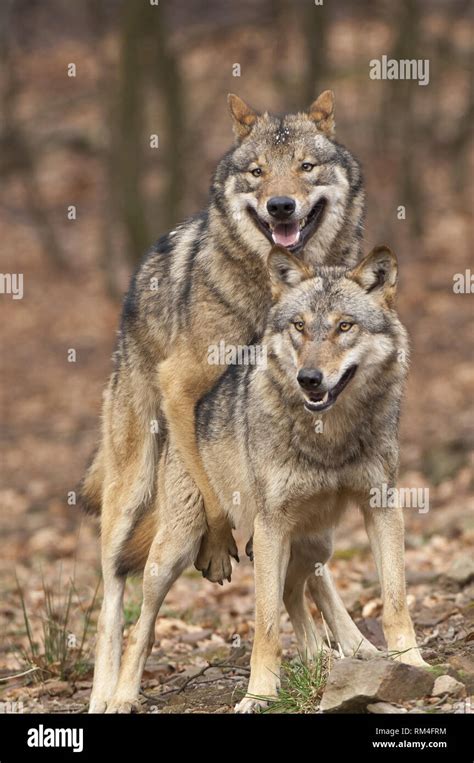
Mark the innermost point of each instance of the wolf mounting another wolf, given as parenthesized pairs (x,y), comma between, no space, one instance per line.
(285,182)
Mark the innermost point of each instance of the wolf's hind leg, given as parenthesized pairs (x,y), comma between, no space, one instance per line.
(120,510)
(181,525)
(343,628)
(109,637)
(309,643)
(167,560)
(311,554)
(117,522)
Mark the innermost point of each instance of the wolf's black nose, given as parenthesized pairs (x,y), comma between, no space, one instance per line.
(309,378)
(281,207)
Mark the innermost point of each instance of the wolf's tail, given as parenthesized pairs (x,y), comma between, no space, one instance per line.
(90,489)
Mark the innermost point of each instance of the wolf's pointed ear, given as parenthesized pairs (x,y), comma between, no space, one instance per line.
(243,116)
(285,270)
(378,272)
(321,112)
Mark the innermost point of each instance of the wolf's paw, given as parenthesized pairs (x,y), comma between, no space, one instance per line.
(213,559)
(123,706)
(249,705)
(403,648)
(98,705)
(412,657)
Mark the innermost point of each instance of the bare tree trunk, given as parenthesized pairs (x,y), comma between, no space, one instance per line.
(312,26)
(170,84)
(315,24)
(16,151)
(129,136)
(398,121)
(109,252)
(280,10)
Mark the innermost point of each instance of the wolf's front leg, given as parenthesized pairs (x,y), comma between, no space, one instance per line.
(385,528)
(271,546)
(183,381)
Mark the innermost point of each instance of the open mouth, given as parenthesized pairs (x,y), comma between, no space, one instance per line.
(292,234)
(324,400)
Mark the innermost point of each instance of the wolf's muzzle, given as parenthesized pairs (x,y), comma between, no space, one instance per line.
(322,400)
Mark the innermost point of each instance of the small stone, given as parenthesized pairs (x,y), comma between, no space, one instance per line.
(384,708)
(448,685)
(192,672)
(461,570)
(193,637)
(53,688)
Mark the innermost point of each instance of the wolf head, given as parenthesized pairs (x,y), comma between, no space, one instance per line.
(288,182)
(332,331)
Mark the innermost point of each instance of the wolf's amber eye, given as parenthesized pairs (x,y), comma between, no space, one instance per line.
(256,172)
(307,166)
(345,326)
(299,325)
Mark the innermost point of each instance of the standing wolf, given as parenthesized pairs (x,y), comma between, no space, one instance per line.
(286,181)
(298,440)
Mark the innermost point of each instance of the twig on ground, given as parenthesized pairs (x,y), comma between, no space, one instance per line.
(19,675)
(185,684)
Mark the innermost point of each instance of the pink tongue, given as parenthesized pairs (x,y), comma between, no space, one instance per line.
(286,234)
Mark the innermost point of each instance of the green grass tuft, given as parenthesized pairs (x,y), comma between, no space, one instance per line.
(302,685)
(60,653)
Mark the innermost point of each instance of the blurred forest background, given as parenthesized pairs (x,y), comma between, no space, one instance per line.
(84,141)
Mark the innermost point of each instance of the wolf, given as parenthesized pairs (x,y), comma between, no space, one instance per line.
(296,441)
(286,181)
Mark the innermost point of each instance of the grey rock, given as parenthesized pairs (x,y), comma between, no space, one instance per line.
(354,684)
(461,570)
(448,685)
(193,637)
